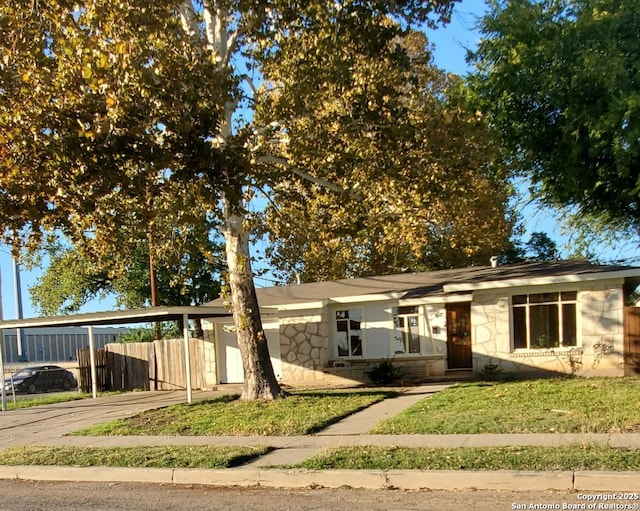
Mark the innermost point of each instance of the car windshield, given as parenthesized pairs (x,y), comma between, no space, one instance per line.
(25,373)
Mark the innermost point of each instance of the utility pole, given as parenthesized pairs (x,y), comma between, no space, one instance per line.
(3,392)
(18,291)
(1,316)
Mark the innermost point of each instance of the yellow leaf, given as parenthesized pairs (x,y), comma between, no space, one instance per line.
(86,72)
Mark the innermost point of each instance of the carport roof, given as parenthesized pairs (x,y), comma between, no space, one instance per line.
(119,317)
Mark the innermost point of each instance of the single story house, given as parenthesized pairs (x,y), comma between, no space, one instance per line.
(527,318)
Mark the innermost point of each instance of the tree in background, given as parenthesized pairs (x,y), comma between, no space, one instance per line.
(73,278)
(539,247)
(559,79)
(423,191)
(112,112)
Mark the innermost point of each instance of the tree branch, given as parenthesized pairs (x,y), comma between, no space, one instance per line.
(246,78)
(305,175)
(189,18)
(215,31)
(234,39)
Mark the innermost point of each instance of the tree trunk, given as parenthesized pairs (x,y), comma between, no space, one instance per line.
(259,379)
(198,332)
(153,280)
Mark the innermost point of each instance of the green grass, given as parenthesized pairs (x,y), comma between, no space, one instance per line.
(566,405)
(157,457)
(571,457)
(299,414)
(43,399)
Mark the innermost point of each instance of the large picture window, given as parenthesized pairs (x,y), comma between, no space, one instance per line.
(406,335)
(349,332)
(544,320)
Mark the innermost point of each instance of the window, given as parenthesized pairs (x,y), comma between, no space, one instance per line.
(406,335)
(349,332)
(544,320)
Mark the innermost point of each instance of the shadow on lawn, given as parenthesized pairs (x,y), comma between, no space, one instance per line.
(319,395)
(387,394)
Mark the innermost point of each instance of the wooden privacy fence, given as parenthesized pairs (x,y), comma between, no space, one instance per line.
(631,341)
(157,365)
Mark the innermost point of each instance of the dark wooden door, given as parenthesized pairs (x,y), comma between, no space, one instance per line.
(631,341)
(459,336)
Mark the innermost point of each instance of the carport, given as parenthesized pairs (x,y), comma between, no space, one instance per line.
(117,317)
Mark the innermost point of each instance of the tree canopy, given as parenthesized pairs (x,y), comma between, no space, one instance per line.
(94,137)
(560,80)
(422,190)
(118,116)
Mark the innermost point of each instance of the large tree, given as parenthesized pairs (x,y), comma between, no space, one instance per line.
(560,79)
(425,193)
(108,107)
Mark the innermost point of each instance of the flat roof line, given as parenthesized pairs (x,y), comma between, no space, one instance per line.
(119,317)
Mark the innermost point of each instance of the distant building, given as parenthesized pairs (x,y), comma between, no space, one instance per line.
(54,344)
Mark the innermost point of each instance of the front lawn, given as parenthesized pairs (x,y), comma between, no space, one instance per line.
(301,413)
(570,457)
(563,405)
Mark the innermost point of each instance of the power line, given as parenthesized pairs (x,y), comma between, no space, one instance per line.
(266,279)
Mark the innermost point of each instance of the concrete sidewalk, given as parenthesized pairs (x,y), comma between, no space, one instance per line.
(48,425)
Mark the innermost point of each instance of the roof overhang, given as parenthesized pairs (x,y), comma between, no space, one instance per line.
(436,299)
(119,317)
(540,281)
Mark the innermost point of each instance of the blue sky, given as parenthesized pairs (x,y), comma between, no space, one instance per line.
(451,46)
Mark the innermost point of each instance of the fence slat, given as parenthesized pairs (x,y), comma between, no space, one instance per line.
(157,365)
(84,369)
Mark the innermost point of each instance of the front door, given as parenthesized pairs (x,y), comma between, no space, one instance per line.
(459,336)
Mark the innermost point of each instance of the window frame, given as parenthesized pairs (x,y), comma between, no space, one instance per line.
(396,313)
(561,303)
(336,346)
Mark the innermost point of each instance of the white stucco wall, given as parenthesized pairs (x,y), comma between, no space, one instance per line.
(377,330)
(435,338)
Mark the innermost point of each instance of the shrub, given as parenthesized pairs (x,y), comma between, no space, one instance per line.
(384,373)
(491,372)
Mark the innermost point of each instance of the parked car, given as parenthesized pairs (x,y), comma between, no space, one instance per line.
(40,379)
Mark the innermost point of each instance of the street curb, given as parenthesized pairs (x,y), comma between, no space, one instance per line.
(608,481)
(365,479)
(89,474)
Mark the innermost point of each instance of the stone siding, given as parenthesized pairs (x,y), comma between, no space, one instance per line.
(600,322)
(304,348)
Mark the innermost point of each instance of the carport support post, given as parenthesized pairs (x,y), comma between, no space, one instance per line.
(187,356)
(92,358)
(4,392)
